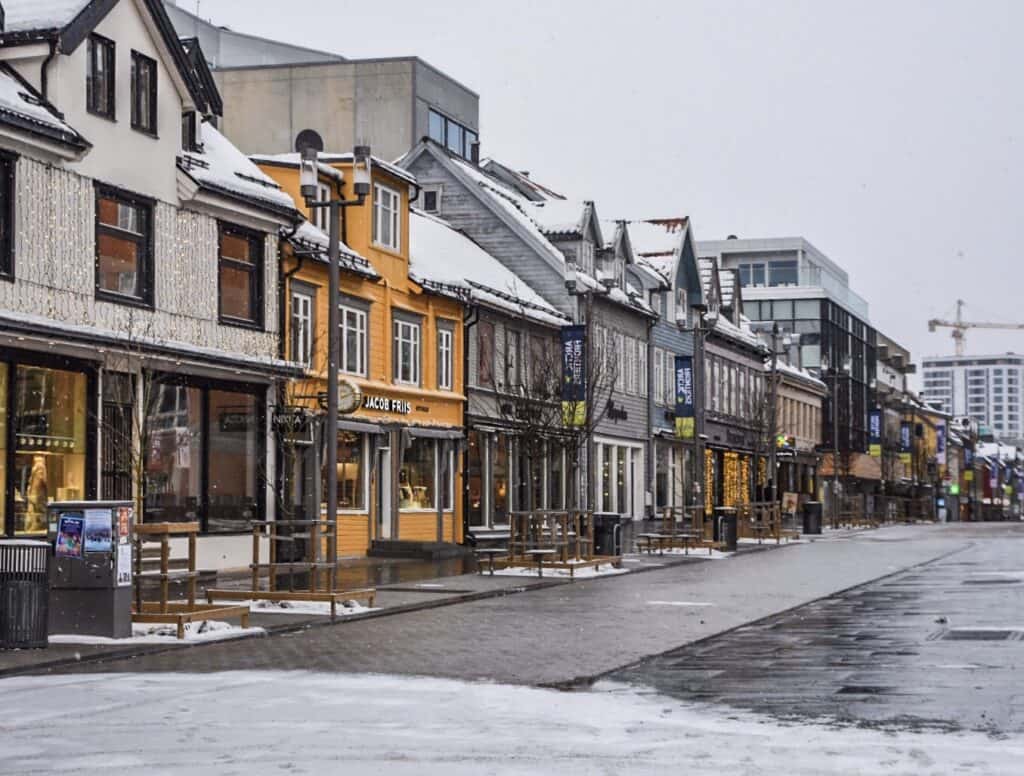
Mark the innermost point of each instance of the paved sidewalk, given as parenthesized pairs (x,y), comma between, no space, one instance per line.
(564,632)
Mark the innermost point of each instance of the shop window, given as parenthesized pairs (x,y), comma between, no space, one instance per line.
(556,475)
(7,200)
(406,352)
(351,472)
(386,221)
(99,84)
(475,477)
(233,460)
(241,276)
(353,340)
(143,89)
(4,388)
(606,478)
(204,451)
(416,478)
(118,436)
(445,352)
(500,478)
(448,482)
(124,246)
(302,326)
(662,496)
(622,501)
(50,410)
(173,438)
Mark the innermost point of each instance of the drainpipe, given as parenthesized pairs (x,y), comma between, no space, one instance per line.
(282,279)
(469,320)
(44,79)
(649,463)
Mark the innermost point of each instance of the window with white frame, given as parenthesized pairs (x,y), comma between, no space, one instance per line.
(353,340)
(587,257)
(386,223)
(668,385)
(322,214)
(302,326)
(445,349)
(406,352)
(643,368)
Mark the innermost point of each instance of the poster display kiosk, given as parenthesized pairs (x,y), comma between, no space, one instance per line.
(91,573)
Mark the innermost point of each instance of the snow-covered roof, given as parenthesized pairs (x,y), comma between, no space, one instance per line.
(314,241)
(742,333)
(657,237)
(223,168)
(292,160)
(727,283)
(442,255)
(796,372)
(346,158)
(25,15)
(21,102)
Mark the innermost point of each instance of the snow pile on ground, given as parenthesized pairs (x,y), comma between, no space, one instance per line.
(146,633)
(319,608)
(304,722)
(694,552)
(770,540)
(582,572)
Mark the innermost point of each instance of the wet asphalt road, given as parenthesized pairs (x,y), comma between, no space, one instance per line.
(936,647)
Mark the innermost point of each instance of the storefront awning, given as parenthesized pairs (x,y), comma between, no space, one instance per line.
(435,433)
(360,427)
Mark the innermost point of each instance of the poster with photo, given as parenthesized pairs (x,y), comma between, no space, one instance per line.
(124,524)
(98,530)
(69,535)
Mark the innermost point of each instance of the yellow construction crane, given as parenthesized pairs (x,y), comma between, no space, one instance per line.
(959,326)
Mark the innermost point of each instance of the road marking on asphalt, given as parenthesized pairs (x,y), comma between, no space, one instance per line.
(679,603)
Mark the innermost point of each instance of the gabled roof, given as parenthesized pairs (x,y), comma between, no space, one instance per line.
(519,180)
(24,109)
(203,75)
(222,169)
(69,22)
(657,237)
(444,257)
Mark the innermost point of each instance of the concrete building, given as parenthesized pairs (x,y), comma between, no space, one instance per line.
(987,389)
(272,91)
(789,281)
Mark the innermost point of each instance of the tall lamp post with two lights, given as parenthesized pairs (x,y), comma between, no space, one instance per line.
(834,372)
(309,178)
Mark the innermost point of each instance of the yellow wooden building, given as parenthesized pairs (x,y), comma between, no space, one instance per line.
(401,347)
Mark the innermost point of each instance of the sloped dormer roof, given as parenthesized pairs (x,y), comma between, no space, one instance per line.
(24,109)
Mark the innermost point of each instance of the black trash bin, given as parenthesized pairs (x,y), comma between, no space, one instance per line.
(726,530)
(24,594)
(812,517)
(608,527)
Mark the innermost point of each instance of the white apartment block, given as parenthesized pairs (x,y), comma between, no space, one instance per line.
(985,388)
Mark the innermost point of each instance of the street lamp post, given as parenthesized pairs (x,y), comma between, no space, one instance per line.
(705,323)
(772,416)
(834,373)
(308,187)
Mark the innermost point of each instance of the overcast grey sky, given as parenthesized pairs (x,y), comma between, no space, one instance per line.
(889,134)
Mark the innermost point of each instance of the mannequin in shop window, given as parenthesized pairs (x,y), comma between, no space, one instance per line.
(37,496)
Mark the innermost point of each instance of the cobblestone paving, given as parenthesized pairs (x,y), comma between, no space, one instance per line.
(936,647)
(558,634)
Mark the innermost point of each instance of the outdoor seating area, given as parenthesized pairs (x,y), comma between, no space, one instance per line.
(554,540)
(680,528)
(299,552)
(761,520)
(163,610)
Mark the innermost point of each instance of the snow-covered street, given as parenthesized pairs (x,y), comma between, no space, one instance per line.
(284,722)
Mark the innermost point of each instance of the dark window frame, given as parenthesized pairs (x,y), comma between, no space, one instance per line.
(255,268)
(205,386)
(106,48)
(146,243)
(138,60)
(8,189)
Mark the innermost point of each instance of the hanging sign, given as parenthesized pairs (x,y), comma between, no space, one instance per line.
(574,376)
(905,442)
(875,433)
(685,415)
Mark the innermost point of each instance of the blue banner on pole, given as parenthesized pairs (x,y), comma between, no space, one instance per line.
(905,442)
(574,375)
(875,433)
(685,406)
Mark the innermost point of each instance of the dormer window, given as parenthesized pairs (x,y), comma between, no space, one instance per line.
(99,85)
(143,93)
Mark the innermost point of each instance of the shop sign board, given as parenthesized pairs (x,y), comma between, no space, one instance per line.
(386,404)
(685,414)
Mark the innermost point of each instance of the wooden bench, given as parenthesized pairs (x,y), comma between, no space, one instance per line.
(179,614)
(364,594)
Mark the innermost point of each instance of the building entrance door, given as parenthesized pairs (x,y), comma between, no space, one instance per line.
(384,493)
